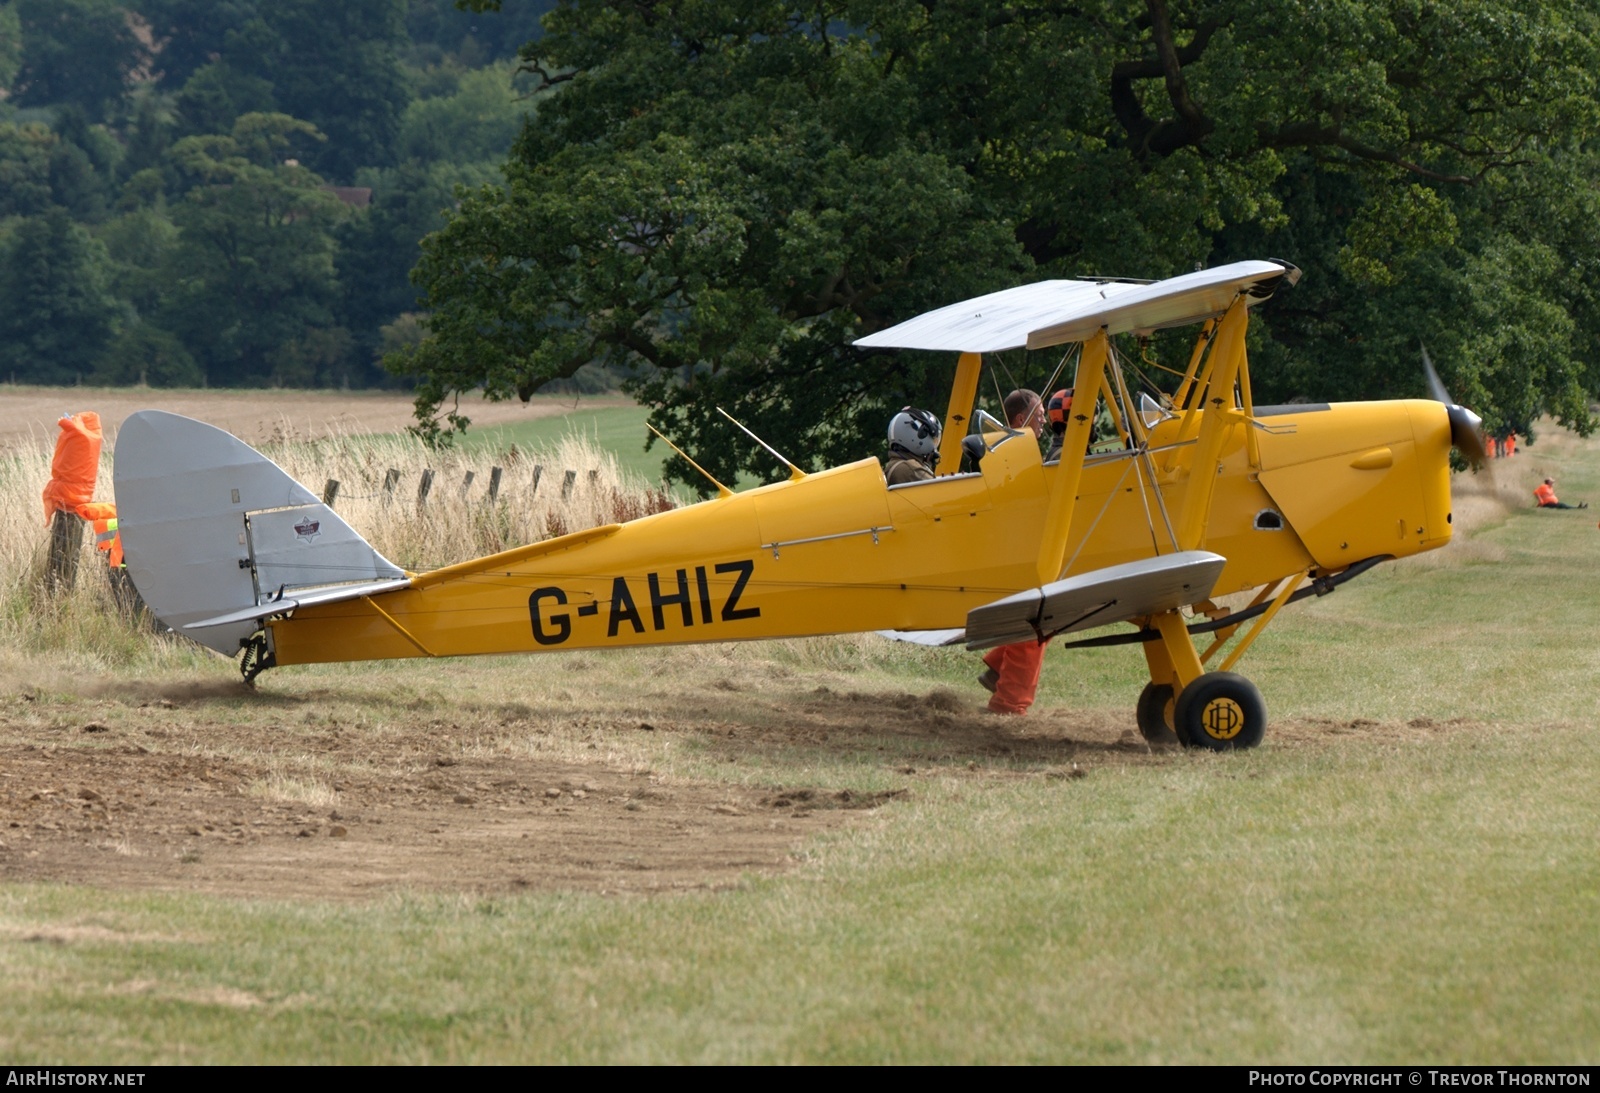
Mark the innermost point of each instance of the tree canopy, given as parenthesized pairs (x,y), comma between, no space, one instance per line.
(721,194)
(173,132)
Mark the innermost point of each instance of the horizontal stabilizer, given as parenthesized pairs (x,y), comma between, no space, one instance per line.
(337,594)
(932,638)
(1097,598)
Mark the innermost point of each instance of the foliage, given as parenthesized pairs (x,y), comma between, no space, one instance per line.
(475,123)
(217,94)
(10,44)
(140,245)
(723,194)
(59,311)
(25,169)
(440,28)
(82,52)
(121,168)
(191,32)
(252,275)
(337,66)
(378,249)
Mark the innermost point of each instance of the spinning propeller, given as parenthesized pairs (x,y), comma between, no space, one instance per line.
(1466,427)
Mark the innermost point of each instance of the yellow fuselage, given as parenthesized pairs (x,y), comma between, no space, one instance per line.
(840,552)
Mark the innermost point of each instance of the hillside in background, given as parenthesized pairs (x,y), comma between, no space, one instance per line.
(231,192)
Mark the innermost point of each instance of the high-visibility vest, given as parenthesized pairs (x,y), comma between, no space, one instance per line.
(108,539)
(1545,494)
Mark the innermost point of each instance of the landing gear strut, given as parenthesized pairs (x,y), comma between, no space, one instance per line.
(257,658)
(1219,711)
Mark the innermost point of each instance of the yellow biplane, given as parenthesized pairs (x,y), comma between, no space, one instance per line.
(1203,494)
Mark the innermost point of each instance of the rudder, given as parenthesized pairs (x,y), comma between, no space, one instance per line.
(211,526)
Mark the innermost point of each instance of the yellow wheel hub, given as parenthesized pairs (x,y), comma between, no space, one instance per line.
(1222,719)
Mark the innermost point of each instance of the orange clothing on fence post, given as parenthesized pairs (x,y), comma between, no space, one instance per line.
(76,465)
(1018,667)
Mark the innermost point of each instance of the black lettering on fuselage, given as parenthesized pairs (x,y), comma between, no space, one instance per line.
(658,601)
(622,608)
(555,628)
(561,624)
(731,611)
(705,593)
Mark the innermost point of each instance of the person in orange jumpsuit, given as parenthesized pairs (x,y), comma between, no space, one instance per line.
(1508,446)
(1011,672)
(1545,494)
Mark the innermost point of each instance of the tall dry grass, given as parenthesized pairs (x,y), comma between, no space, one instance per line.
(455,523)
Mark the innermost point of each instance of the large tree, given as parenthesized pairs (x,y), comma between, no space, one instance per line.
(251,275)
(723,193)
(57,312)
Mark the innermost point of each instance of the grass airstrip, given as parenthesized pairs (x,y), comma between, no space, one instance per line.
(1405,872)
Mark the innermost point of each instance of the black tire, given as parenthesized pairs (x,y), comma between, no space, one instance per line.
(1220,711)
(1155,715)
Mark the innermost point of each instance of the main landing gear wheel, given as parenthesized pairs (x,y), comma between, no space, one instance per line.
(1220,711)
(1154,713)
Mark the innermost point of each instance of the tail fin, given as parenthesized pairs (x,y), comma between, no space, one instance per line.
(211,527)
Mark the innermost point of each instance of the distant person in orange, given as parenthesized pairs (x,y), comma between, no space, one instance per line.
(1491,447)
(1545,494)
(1011,672)
(1509,445)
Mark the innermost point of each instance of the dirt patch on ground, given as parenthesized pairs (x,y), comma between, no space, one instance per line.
(126,817)
(28,414)
(207,787)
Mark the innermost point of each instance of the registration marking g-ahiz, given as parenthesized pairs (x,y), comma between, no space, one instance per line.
(555,627)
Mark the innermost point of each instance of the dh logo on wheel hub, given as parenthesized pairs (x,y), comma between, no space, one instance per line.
(1222,719)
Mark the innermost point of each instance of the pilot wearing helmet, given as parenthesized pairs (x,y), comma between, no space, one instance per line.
(1057,409)
(913,447)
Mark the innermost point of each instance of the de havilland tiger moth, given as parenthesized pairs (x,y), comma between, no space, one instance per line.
(1204,495)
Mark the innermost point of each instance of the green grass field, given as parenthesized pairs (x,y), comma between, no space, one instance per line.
(618,429)
(1406,871)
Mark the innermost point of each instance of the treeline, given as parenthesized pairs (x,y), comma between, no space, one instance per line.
(724,193)
(231,192)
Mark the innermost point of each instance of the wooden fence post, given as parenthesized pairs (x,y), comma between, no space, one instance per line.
(466,484)
(330,492)
(423,487)
(66,544)
(494,484)
(391,479)
(538,472)
(566,484)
